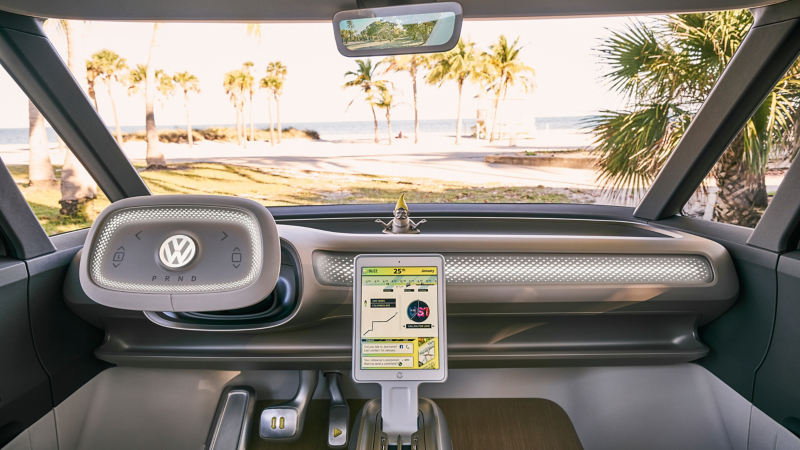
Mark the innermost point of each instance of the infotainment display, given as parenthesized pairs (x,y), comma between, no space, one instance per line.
(399,318)
(399,313)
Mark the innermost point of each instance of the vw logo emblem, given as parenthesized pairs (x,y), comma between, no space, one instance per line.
(177,251)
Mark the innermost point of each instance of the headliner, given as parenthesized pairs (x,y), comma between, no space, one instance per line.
(323,10)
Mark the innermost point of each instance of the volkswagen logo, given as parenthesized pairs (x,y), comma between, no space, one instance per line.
(177,251)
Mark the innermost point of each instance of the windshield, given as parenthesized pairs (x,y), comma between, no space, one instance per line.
(526,111)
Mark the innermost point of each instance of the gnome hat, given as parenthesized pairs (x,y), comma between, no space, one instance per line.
(401,203)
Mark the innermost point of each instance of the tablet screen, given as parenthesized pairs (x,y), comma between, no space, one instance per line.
(399,318)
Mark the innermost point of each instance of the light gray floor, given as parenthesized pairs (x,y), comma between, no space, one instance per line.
(661,407)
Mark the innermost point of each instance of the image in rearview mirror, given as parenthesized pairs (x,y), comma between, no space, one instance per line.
(395,30)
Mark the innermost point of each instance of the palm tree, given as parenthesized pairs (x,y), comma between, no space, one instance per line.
(250,89)
(40,168)
(364,79)
(666,70)
(460,64)
(278,71)
(274,85)
(509,70)
(188,83)
(136,79)
(386,102)
(349,34)
(155,158)
(235,84)
(109,67)
(137,82)
(254,30)
(411,64)
(77,185)
(164,85)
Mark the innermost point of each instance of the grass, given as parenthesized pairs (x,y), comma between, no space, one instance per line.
(284,188)
(44,203)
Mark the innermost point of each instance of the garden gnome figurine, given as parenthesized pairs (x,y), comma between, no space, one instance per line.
(401,224)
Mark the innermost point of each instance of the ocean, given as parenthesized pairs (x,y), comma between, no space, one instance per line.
(331,129)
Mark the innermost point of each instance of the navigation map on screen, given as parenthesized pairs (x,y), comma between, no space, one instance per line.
(399,318)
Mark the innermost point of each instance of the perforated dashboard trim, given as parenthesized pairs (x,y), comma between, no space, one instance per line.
(336,269)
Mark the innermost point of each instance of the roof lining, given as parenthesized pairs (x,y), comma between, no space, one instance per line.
(267,11)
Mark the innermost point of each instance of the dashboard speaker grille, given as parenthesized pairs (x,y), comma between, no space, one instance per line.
(336,269)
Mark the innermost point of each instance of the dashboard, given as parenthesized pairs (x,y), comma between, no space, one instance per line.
(521,292)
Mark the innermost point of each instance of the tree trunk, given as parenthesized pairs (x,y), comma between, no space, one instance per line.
(500,112)
(189,136)
(458,121)
(76,183)
(271,130)
(389,124)
(117,129)
(155,158)
(244,125)
(496,102)
(252,130)
(742,195)
(40,169)
(414,85)
(375,118)
(278,111)
(238,126)
(92,94)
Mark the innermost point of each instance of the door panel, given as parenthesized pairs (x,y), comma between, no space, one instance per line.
(738,339)
(777,392)
(24,386)
(65,342)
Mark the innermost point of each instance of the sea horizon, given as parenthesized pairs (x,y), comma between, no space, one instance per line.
(328,129)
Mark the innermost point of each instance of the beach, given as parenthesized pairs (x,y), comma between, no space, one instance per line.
(436,157)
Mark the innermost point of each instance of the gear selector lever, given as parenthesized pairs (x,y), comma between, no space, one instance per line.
(284,422)
(339,417)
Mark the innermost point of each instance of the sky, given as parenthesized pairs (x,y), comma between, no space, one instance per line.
(561,51)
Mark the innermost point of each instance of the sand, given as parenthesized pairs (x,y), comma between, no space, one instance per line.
(435,157)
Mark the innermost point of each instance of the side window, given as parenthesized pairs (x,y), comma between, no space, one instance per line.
(742,183)
(57,187)
(633,143)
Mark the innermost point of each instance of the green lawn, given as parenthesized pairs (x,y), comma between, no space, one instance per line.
(283,188)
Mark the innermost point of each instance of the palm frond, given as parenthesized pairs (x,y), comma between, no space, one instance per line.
(633,145)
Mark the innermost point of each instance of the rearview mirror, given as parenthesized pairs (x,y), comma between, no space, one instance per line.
(398,30)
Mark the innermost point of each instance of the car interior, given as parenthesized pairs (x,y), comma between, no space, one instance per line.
(214,322)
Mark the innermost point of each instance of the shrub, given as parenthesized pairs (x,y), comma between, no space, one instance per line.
(219,134)
(168,136)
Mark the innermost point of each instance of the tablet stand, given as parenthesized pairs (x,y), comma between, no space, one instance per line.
(432,431)
(399,409)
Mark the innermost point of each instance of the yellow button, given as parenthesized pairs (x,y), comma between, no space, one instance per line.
(337,432)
